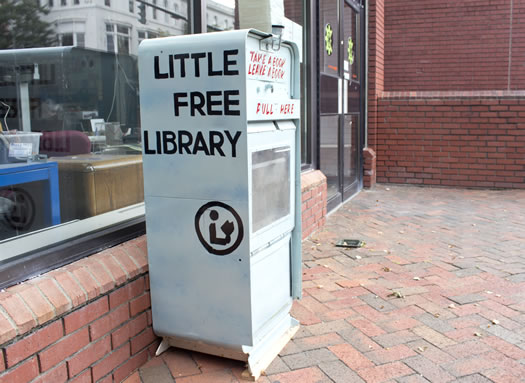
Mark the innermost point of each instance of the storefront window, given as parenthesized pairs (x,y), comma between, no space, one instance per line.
(70,137)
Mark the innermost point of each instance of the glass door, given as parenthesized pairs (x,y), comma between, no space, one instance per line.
(351,147)
(340,102)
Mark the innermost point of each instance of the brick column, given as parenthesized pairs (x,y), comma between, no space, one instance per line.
(369,179)
(376,64)
(376,38)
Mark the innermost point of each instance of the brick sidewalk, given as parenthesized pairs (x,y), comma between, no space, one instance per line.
(437,294)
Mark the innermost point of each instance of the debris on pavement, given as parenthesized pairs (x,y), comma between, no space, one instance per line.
(351,243)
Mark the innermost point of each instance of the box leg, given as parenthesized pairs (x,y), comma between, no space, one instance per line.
(163,346)
(263,354)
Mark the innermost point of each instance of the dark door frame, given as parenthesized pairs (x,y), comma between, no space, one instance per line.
(343,193)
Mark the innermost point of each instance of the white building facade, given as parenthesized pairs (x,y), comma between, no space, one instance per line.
(219,17)
(114,25)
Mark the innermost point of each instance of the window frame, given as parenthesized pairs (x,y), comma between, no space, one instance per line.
(75,36)
(35,253)
(115,34)
(147,34)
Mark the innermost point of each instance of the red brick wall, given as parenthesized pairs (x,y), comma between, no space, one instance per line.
(369,168)
(441,139)
(376,65)
(454,45)
(445,100)
(313,185)
(86,322)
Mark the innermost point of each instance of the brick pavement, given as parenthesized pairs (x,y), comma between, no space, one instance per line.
(455,262)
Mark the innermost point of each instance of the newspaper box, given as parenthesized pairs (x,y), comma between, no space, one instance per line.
(221,158)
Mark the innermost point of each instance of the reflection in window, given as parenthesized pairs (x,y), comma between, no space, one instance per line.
(66,39)
(223,11)
(80,40)
(110,43)
(70,33)
(351,19)
(77,107)
(117,36)
(71,108)
(142,35)
(123,44)
(71,39)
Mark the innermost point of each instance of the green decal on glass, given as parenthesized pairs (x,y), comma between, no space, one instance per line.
(328,39)
(350,50)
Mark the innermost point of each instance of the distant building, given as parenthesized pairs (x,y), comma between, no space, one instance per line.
(114,26)
(220,17)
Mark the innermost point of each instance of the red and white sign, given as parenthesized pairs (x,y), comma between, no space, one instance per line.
(266,66)
(273,110)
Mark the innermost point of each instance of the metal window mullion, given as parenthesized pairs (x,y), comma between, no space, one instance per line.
(198,16)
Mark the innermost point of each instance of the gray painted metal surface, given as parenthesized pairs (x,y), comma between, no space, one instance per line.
(220,119)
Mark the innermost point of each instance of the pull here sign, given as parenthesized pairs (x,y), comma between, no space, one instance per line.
(264,109)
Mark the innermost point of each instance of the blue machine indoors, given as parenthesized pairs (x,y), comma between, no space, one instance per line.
(221,156)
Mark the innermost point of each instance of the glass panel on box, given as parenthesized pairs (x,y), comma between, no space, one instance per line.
(70,139)
(270,186)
